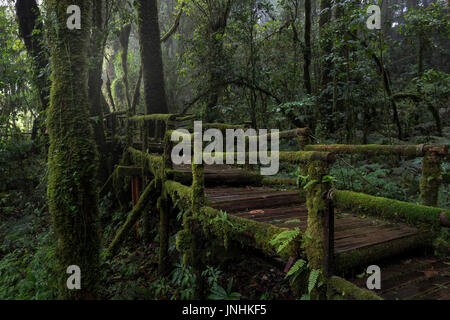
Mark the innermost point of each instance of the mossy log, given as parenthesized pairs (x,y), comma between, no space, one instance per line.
(295,157)
(218,178)
(179,193)
(153,117)
(248,233)
(410,151)
(150,163)
(388,209)
(341,289)
(151,192)
(279,181)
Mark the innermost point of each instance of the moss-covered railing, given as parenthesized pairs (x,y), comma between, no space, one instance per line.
(433,156)
(169,186)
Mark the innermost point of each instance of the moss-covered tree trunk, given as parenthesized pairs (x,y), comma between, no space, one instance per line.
(29,20)
(151,57)
(73,154)
(431,179)
(319,244)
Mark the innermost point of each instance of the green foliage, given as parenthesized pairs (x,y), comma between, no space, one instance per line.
(219,293)
(283,239)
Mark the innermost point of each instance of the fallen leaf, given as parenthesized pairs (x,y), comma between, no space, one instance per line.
(256,211)
(430,273)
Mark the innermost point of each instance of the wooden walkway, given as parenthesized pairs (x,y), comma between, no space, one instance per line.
(418,278)
(285,209)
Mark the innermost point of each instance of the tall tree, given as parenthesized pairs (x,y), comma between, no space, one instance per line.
(326,47)
(307,50)
(31,31)
(151,57)
(71,189)
(217,13)
(96,53)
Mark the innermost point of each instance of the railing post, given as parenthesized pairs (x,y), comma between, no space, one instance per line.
(198,200)
(431,178)
(319,244)
(162,205)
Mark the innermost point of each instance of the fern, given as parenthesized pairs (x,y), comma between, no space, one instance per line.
(283,239)
(313,276)
(298,267)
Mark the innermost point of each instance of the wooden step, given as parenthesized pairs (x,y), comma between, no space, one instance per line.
(241,202)
(424,278)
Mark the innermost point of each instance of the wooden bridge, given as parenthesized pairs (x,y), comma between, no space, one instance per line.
(342,230)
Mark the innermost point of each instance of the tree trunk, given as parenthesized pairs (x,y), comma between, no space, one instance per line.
(326,46)
(71,189)
(307,51)
(95,86)
(124,39)
(151,56)
(29,19)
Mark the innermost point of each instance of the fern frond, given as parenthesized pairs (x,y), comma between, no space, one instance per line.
(313,276)
(297,267)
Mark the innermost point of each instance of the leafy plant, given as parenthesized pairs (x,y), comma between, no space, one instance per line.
(283,239)
(219,293)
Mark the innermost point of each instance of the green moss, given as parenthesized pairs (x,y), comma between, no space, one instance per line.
(177,191)
(371,149)
(431,179)
(179,176)
(245,232)
(184,239)
(198,187)
(153,117)
(73,157)
(442,244)
(388,209)
(151,163)
(317,209)
(341,289)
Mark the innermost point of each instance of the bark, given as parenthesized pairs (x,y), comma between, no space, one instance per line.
(307,51)
(29,19)
(96,54)
(124,39)
(151,57)
(217,22)
(73,154)
(326,47)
